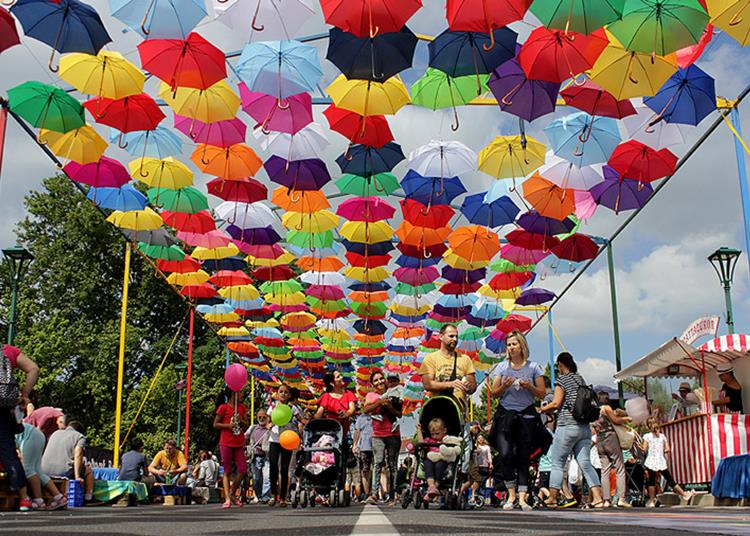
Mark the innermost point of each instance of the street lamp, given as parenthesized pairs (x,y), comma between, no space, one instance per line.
(18,261)
(724,261)
(179,387)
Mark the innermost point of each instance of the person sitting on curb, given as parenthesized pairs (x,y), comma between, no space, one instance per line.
(169,466)
(63,457)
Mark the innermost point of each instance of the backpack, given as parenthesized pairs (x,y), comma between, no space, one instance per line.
(8,388)
(586,408)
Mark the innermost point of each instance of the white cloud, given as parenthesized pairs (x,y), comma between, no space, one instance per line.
(597,371)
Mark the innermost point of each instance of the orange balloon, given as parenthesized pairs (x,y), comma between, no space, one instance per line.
(289,440)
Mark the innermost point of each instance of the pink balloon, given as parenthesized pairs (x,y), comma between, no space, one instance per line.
(235,376)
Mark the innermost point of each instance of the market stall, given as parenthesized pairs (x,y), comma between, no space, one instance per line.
(700,441)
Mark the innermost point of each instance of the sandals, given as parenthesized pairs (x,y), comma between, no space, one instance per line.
(227,504)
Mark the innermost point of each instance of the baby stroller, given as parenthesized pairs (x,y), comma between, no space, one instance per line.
(321,465)
(635,475)
(447,409)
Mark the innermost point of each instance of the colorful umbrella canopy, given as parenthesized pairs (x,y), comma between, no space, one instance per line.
(187,199)
(535,296)
(131,113)
(437,90)
(377,58)
(442,159)
(548,198)
(107,74)
(83,145)
(289,115)
(567,175)
(220,133)
(104,172)
(474,243)
(553,56)
(368,18)
(270,19)
(279,68)
(124,198)
(576,248)
(296,175)
(511,156)
(160,19)
(732,17)
(472,53)
(383,184)
(367,161)
(46,106)
(484,15)
(365,97)
(215,103)
(620,194)
(365,209)
(520,96)
(234,162)
(308,142)
(635,160)
(583,139)
(687,98)
(501,211)
(165,173)
(372,130)
(136,220)
(160,142)
(8,32)
(581,16)
(594,100)
(244,189)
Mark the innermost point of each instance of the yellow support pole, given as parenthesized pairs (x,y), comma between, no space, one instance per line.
(252,398)
(121,360)
(471,409)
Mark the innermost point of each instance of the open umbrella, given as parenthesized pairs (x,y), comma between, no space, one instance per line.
(233,162)
(297,175)
(307,201)
(200,222)
(548,198)
(219,133)
(581,16)
(376,58)
(8,32)
(365,209)
(687,98)
(583,139)
(474,243)
(164,173)
(520,96)
(535,296)
(553,56)
(534,222)
(501,211)
(660,26)
(658,136)
(269,19)
(368,161)
(576,248)
(567,175)
(442,159)
(215,103)
(289,115)
(135,112)
(420,215)
(46,106)
(368,18)
(383,184)
(245,189)
(279,68)
(592,99)
(431,190)
(508,157)
(436,89)
(136,220)
(372,130)
(527,240)
(83,145)
(366,97)
(187,199)
(484,15)
(317,222)
(620,194)
(104,172)
(66,26)
(160,19)
(308,142)
(124,198)
(160,142)
(366,232)
(732,17)
(192,62)
(635,160)
(107,74)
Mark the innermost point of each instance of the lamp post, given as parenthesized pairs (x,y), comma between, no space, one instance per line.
(724,261)
(18,261)
(180,387)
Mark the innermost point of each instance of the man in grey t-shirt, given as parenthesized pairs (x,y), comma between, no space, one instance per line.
(63,457)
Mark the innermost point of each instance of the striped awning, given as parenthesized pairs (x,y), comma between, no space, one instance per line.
(737,345)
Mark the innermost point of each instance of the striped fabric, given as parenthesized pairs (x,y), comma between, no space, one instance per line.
(730,346)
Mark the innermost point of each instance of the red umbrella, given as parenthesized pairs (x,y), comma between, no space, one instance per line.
(420,215)
(8,32)
(484,16)
(200,222)
(576,248)
(375,132)
(514,322)
(273,273)
(640,162)
(292,115)
(367,209)
(509,280)
(367,261)
(422,251)
(193,62)
(185,266)
(367,18)
(527,240)
(460,288)
(244,190)
(594,100)
(204,290)
(260,251)
(554,56)
(230,278)
(105,172)
(136,112)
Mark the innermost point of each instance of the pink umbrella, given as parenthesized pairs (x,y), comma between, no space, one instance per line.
(519,255)
(105,172)
(218,134)
(325,292)
(288,308)
(585,204)
(417,276)
(365,209)
(292,116)
(211,239)
(260,251)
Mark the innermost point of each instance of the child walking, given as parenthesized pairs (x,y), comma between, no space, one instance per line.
(657,446)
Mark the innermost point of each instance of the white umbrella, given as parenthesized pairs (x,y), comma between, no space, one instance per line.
(309,142)
(415,302)
(567,175)
(443,159)
(245,215)
(659,136)
(323,278)
(268,20)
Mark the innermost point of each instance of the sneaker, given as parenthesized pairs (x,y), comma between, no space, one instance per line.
(525,507)
(624,504)
(58,504)
(25,504)
(567,503)
(254,500)
(509,505)
(227,504)
(271,501)
(371,500)
(651,504)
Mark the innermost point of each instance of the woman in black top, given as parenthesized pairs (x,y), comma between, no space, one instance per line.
(730,398)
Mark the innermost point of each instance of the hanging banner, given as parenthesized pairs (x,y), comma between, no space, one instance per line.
(706,326)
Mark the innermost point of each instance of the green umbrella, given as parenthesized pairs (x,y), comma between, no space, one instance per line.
(660,26)
(188,199)
(168,253)
(290,286)
(504,266)
(302,239)
(329,306)
(409,290)
(381,184)
(369,309)
(581,16)
(438,90)
(46,106)
(473,333)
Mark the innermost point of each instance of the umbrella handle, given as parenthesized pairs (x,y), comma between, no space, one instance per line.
(282,104)
(507,99)
(348,157)
(426,254)
(121,142)
(293,194)
(52,68)
(8,4)
(255,17)
(375,182)
(492,41)
(374,32)
(203,156)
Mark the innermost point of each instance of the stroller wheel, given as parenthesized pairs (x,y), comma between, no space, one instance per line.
(405,499)
(332,498)
(295,499)
(303,498)
(311,499)
(418,499)
(342,498)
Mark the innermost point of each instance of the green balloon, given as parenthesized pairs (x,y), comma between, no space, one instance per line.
(281,415)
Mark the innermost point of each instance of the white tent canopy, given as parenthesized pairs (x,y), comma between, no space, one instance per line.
(675,358)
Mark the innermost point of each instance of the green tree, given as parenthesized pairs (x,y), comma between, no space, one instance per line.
(69,316)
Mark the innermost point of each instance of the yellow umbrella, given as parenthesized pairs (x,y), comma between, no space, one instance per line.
(217,103)
(367,232)
(369,98)
(233,332)
(295,298)
(221,252)
(108,74)
(733,17)
(317,222)
(506,157)
(189,278)
(239,292)
(221,318)
(166,173)
(455,261)
(486,290)
(626,74)
(83,145)
(136,220)
(257,262)
(408,311)
(372,275)
(334,334)
(270,323)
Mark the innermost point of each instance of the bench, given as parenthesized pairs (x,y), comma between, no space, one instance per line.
(173,495)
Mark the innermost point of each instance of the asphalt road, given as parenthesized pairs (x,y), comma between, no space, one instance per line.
(159,520)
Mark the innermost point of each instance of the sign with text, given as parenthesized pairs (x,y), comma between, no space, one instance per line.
(706,326)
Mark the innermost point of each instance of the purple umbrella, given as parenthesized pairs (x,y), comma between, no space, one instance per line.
(453,312)
(534,222)
(416,276)
(310,174)
(535,296)
(498,334)
(218,134)
(325,292)
(618,193)
(455,275)
(260,236)
(517,95)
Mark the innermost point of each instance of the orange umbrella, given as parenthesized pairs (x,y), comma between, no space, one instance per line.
(234,162)
(324,264)
(421,236)
(298,320)
(548,198)
(361,337)
(474,242)
(307,201)
(368,297)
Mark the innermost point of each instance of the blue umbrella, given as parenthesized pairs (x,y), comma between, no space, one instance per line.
(582,139)
(219,309)
(496,191)
(67,26)
(376,249)
(454,301)
(427,190)
(467,53)
(271,333)
(494,345)
(377,58)
(124,198)
(160,19)
(686,98)
(409,319)
(227,263)
(415,262)
(369,287)
(488,310)
(280,68)
(158,143)
(553,266)
(367,161)
(502,211)
(247,305)
(534,222)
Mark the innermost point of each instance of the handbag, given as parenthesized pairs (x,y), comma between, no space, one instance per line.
(625,436)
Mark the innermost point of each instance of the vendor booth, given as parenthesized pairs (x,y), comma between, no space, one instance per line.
(700,441)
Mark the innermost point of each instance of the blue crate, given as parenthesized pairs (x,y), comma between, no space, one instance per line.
(75,493)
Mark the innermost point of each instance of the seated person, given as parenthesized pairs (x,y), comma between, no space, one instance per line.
(686,401)
(207,471)
(134,466)
(63,457)
(169,465)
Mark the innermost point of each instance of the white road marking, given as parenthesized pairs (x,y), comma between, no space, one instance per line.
(370,518)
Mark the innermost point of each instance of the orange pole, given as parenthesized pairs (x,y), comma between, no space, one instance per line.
(489,405)
(189,383)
